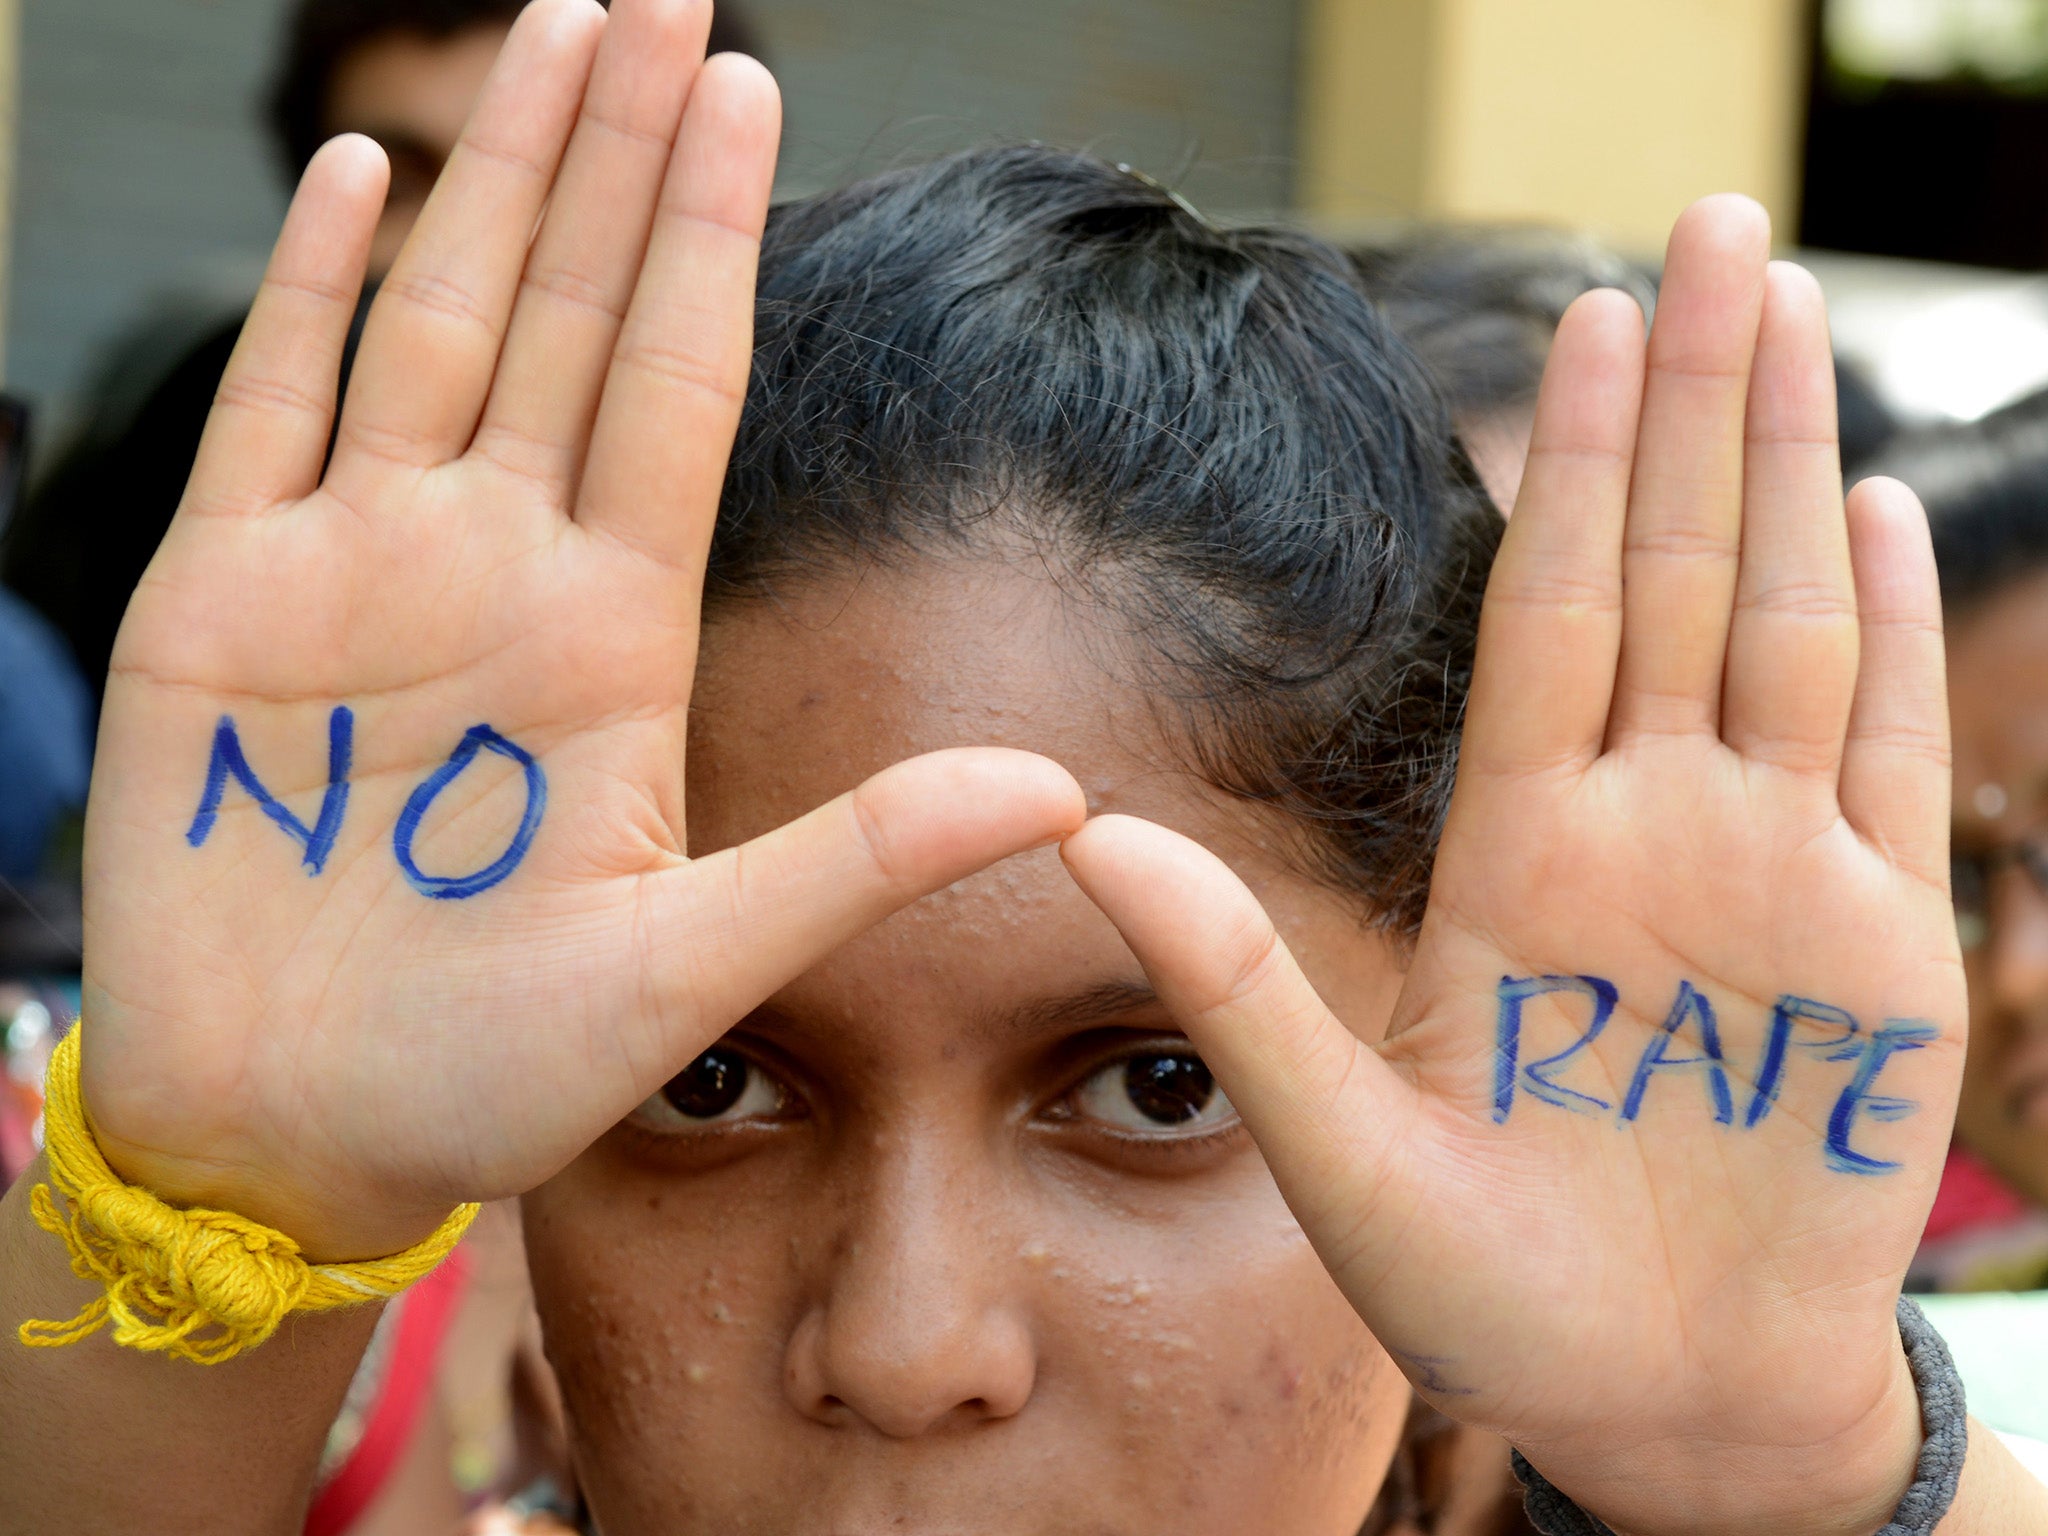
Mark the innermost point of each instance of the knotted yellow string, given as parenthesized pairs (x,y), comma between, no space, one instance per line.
(196,1284)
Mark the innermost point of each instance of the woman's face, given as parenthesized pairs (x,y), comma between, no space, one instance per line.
(954,1234)
(1998,702)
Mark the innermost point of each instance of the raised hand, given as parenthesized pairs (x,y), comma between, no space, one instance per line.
(1636,1173)
(387,891)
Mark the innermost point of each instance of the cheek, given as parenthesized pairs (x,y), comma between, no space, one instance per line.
(1988,1025)
(1230,1367)
(1986,1019)
(664,1320)
(1994,1033)
(393,225)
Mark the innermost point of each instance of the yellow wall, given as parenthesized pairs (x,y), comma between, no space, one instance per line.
(1605,114)
(1366,101)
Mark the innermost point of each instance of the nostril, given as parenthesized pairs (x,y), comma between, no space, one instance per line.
(867,1358)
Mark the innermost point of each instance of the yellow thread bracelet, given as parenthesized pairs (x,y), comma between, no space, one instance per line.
(195,1284)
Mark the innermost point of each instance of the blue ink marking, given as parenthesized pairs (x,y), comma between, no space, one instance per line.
(1894,1037)
(1789,1011)
(1513,992)
(1428,1373)
(228,761)
(1691,1004)
(478,738)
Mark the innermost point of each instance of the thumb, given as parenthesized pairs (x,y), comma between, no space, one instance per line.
(758,915)
(1330,1116)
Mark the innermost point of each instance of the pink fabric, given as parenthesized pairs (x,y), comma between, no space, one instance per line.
(19,1107)
(1971,1197)
(408,1384)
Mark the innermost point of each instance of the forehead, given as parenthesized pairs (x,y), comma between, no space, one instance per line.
(800,697)
(1998,701)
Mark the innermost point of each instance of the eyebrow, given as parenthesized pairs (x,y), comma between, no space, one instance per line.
(1077,1010)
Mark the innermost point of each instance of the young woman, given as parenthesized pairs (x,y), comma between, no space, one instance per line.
(1057,1083)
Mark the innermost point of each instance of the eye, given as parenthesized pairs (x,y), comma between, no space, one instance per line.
(1155,1093)
(719,1088)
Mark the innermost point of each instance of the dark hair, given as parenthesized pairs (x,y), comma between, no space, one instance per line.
(1985,485)
(1480,305)
(1212,434)
(323,33)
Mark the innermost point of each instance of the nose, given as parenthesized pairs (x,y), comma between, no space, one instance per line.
(2018,979)
(919,1323)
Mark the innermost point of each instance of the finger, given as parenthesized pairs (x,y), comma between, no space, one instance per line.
(1328,1113)
(431,345)
(761,913)
(1791,666)
(1685,504)
(672,397)
(580,275)
(1895,765)
(1551,627)
(266,436)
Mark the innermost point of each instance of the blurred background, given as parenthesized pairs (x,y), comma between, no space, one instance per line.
(142,184)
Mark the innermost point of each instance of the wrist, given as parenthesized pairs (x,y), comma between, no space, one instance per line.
(1850,1483)
(326,1231)
(196,1283)
(221,1169)
(182,1148)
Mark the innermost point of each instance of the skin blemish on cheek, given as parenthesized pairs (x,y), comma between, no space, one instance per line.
(709,1291)
(1285,1375)
(1038,1254)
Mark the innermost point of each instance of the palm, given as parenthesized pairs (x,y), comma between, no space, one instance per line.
(575,648)
(1674,1225)
(1702,796)
(495,945)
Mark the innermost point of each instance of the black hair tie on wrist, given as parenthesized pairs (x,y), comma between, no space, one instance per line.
(1944,1421)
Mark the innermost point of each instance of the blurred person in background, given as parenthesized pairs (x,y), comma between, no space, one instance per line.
(46,721)
(1480,305)
(1985,485)
(402,72)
